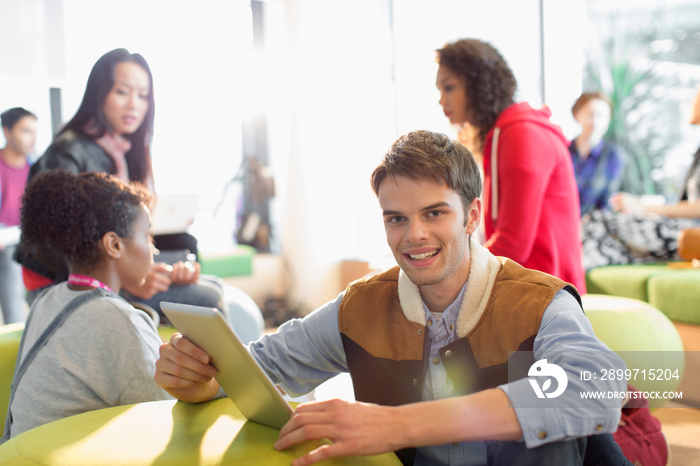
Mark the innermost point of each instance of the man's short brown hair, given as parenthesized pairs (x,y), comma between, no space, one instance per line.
(421,154)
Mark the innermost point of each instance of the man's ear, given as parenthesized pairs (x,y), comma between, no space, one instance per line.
(113,245)
(473,217)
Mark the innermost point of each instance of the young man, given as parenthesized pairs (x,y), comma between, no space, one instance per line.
(19,128)
(433,346)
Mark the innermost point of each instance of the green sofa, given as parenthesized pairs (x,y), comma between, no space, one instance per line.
(674,291)
(10,336)
(642,336)
(236,263)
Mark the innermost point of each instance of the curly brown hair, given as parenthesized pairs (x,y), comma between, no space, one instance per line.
(69,213)
(489,83)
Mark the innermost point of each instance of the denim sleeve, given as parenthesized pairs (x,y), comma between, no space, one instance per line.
(303,353)
(566,339)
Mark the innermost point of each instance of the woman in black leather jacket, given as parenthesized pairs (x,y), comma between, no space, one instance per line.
(113,125)
(111,132)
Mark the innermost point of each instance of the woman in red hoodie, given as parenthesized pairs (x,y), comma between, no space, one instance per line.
(530,200)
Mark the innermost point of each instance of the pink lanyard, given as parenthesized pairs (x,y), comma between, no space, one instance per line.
(84,280)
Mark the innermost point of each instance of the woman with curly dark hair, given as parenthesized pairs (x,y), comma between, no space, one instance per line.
(530,200)
(84,347)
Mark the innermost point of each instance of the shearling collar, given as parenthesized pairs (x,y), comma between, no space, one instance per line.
(482,275)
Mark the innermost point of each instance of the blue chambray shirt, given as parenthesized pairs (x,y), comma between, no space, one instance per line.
(437,386)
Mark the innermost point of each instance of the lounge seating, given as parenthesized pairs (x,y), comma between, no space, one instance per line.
(673,290)
(10,336)
(643,337)
(161,433)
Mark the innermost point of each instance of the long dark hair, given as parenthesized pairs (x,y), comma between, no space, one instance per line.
(90,121)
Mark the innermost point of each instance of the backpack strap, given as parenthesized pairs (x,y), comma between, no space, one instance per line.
(23,364)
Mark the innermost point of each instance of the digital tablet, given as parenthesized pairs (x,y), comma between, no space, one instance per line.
(243,380)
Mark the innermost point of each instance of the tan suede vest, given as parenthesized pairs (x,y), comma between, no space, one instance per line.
(386,352)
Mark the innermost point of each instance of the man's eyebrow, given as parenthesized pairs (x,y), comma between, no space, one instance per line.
(437,205)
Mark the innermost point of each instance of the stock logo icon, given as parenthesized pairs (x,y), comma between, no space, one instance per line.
(543,371)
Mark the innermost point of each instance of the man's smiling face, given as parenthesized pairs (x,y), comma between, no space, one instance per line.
(426,230)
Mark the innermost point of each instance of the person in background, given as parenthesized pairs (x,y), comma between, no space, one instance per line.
(111,132)
(636,232)
(429,344)
(597,162)
(688,205)
(531,208)
(19,127)
(84,347)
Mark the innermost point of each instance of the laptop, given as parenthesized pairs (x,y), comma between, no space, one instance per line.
(240,376)
(174,212)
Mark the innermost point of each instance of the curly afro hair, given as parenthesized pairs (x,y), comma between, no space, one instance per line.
(489,82)
(70,213)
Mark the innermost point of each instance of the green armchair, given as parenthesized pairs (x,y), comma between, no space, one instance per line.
(10,336)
